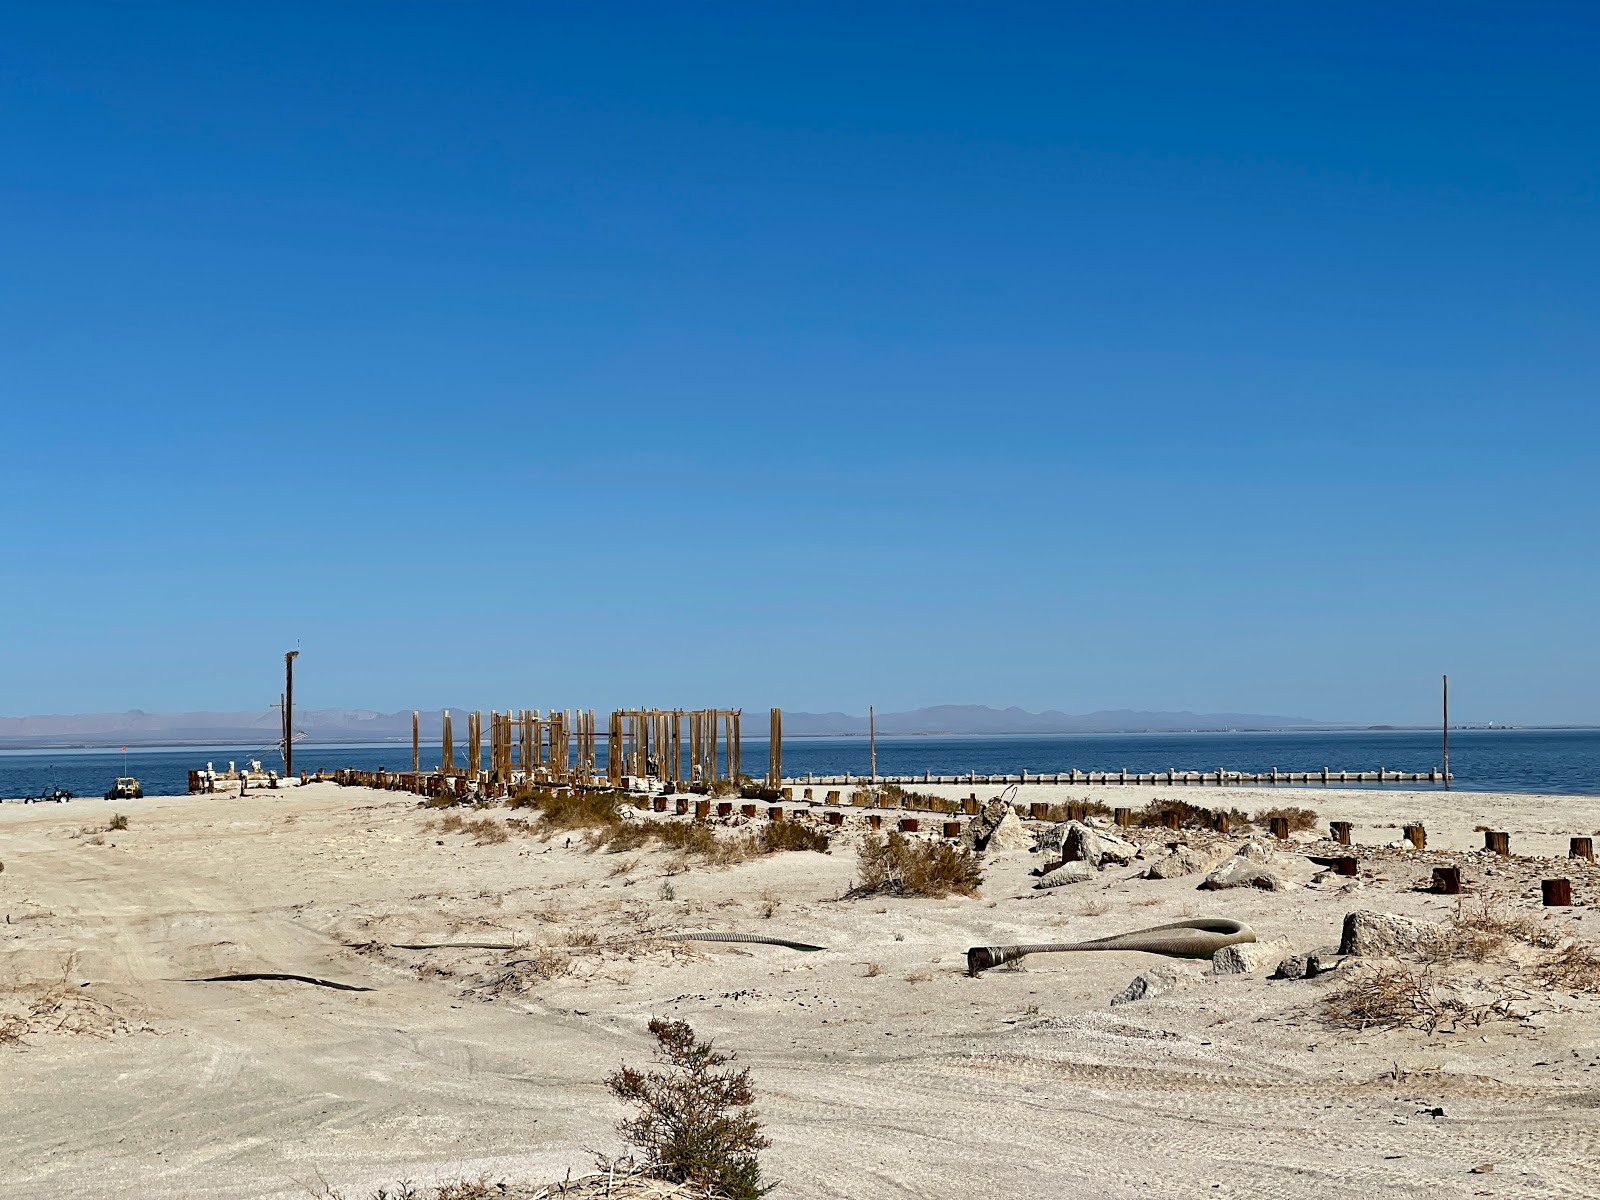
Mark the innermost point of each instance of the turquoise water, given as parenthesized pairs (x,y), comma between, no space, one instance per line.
(1521,760)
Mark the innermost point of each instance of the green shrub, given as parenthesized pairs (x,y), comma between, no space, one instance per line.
(788,835)
(694,1122)
(1298,818)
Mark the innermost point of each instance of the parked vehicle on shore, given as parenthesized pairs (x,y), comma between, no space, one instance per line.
(125,788)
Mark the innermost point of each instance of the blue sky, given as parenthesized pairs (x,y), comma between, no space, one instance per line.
(1149,356)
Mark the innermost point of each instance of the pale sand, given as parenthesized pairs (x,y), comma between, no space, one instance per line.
(1015,1084)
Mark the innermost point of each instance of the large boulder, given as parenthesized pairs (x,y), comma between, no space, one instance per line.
(1385,934)
(1239,871)
(978,831)
(1010,834)
(1147,985)
(1183,860)
(1072,872)
(1246,958)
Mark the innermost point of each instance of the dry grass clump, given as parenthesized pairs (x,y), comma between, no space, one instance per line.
(1300,819)
(1395,996)
(485,831)
(1190,816)
(721,788)
(873,970)
(695,1120)
(578,810)
(1091,808)
(1574,967)
(117,822)
(789,835)
(903,866)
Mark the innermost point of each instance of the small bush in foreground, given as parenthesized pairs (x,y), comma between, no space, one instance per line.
(695,1121)
(118,821)
(1398,997)
(902,866)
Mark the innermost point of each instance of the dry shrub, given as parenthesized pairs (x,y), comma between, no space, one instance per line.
(1394,996)
(1095,907)
(789,835)
(1300,819)
(452,823)
(620,839)
(1193,816)
(873,970)
(445,801)
(695,1121)
(487,832)
(1573,967)
(117,822)
(623,866)
(467,1189)
(902,866)
(720,788)
(578,810)
(1091,808)
(920,977)
(1485,932)
(770,903)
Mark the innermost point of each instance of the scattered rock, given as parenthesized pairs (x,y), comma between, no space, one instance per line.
(1246,958)
(1010,834)
(1183,860)
(1374,933)
(1146,985)
(1072,872)
(1241,872)
(1255,851)
(1300,966)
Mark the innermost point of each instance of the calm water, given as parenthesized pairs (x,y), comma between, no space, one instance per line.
(1500,760)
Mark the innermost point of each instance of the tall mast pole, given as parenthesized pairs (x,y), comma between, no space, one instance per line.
(1447,733)
(288,712)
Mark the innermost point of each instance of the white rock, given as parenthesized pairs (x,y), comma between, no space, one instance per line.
(1010,834)
(1385,934)
(1072,872)
(1147,985)
(1246,958)
(1241,872)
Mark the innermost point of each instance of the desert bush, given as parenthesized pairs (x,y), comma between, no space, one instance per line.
(1394,996)
(1191,815)
(1299,819)
(720,788)
(873,970)
(789,835)
(695,1121)
(486,831)
(904,866)
(579,810)
(1574,967)
(118,821)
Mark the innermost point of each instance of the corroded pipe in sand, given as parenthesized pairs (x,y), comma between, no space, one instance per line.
(1199,938)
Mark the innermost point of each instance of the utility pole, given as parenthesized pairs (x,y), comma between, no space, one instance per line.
(288,713)
(1447,733)
(872,736)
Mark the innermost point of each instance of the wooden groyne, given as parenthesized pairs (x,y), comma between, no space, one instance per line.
(1217,778)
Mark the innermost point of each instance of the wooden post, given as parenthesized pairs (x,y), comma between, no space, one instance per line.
(1344,865)
(1340,831)
(1446,733)
(1581,847)
(1416,835)
(1498,842)
(1123,816)
(288,712)
(416,743)
(1557,892)
(1447,880)
(1280,828)
(872,739)
(1170,820)
(775,749)
(1223,822)
(447,752)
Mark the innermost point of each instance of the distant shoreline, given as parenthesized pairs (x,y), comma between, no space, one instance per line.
(257,747)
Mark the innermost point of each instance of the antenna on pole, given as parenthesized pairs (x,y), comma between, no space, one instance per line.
(872,737)
(1447,733)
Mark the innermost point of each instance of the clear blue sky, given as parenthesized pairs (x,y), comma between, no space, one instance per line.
(1223,357)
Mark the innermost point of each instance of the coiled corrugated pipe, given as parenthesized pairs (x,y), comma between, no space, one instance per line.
(1199,938)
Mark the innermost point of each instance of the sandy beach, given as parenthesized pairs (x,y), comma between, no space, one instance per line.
(881,1067)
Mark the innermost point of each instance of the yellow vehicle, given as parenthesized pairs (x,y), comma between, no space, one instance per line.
(125,788)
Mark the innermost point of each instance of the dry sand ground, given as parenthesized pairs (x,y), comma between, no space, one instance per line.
(881,1068)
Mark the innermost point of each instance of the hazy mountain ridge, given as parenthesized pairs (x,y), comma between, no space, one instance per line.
(139,728)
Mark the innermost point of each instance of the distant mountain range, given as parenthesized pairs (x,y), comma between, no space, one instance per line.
(137,728)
